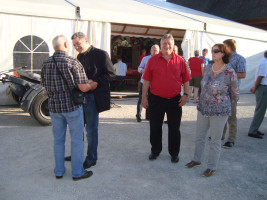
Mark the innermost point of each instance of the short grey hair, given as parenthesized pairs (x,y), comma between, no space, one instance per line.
(196,52)
(79,35)
(59,40)
(167,36)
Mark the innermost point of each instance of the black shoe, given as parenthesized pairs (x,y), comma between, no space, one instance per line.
(165,122)
(153,156)
(255,135)
(88,164)
(138,119)
(86,174)
(59,177)
(175,159)
(67,158)
(228,145)
(260,133)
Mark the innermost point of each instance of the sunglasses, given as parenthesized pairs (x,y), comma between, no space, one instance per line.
(216,50)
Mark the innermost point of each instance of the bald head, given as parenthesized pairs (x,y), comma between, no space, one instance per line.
(60,43)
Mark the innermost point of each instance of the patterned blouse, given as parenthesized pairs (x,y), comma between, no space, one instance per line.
(218,93)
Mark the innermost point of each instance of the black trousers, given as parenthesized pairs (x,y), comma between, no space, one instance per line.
(158,107)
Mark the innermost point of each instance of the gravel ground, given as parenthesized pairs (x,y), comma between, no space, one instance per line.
(123,170)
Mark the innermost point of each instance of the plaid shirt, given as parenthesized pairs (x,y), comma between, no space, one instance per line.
(59,97)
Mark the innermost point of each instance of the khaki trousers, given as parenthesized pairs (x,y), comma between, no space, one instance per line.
(232,122)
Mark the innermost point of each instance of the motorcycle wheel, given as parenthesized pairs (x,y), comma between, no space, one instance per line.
(39,109)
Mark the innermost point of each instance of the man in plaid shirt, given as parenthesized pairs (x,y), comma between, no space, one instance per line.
(63,111)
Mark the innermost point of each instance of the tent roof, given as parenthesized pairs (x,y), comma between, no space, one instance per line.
(214,24)
(115,11)
(155,13)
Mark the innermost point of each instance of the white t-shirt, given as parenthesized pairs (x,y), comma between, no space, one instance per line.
(262,71)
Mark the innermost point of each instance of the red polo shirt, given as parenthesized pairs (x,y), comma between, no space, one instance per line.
(195,66)
(166,77)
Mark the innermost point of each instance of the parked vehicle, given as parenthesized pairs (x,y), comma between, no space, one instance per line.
(28,92)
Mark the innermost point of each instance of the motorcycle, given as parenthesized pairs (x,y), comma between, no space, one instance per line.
(28,92)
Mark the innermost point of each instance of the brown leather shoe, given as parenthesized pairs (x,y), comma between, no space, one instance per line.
(192,164)
(208,172)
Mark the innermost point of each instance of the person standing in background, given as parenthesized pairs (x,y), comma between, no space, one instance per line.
(143,54)
(204,57)
(141,69)
(238,63)
(260,91)
(120,70)
(196,65)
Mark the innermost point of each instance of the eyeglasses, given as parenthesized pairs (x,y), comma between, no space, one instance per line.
(216,50)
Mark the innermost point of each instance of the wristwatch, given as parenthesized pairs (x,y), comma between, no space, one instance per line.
(185,94)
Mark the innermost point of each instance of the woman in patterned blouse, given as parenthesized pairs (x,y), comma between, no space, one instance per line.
(219,88)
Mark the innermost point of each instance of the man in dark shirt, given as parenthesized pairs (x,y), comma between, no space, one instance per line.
(99,68)
(62,109)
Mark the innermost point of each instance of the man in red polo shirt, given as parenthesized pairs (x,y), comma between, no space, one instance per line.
(165,73)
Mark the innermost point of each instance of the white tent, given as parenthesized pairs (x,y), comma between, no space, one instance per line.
(45,19)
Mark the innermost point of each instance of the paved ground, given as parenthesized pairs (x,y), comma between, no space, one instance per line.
(123,170)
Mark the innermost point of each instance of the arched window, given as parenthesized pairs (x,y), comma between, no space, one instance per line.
(30,51)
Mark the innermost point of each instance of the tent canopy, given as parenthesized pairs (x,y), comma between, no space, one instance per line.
(42,20)
(155,13)
(213,24)
(115,11)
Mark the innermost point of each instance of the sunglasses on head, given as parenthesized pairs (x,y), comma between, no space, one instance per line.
(216,50)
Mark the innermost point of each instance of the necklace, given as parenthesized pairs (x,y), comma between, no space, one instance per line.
(216,71)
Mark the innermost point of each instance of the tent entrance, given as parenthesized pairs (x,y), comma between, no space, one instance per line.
(128,41)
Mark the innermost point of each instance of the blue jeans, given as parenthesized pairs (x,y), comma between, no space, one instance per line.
(76,125)
(139,105)
(91,117)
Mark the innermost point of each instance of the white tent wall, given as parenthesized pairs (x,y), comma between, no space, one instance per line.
(192,41)
(252,50)
(99,34)
(15,27)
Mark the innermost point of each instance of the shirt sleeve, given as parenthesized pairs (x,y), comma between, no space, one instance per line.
(78,73)
(233,89)
(241,66)
(185,72)
(147,74)
(141,66)
(262,71)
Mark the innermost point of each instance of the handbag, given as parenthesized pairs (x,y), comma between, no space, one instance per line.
(76,94)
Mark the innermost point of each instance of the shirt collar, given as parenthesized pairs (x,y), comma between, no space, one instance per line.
(88,50)
(59,52)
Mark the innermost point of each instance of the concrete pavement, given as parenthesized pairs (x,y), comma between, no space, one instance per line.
(123,170)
